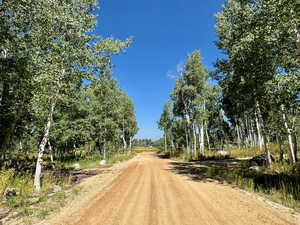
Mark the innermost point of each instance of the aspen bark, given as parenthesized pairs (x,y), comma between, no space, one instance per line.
(130,144)
(263,135)
(104,151)
(295,146)
(254,135)
(187,141)
(195,141)
(38,170)
(187,133)
(297,43)
(124,142)
(165,136)
(290,135)
(238,135)
(207,137)
(251,138)
(123,135)
(260,140)
(201,138)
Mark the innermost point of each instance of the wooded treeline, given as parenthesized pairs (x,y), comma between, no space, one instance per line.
(57,92)
(252,98)
(143,142)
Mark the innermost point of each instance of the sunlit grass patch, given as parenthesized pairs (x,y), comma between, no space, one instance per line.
(244,152)
(120,157)
(84,163)
(139,149)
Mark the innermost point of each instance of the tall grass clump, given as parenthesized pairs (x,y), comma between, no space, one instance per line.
(23,186)
(5,181)
(244,152)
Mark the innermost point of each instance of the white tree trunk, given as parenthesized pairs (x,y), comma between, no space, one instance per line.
(104,151)
(21,146)
(188,120)
(123,135)
(187,141)
(165,137)
(201,138)
(263,135)
(130,144)
(250,135)
(124,143)
(188,133)
(297,43)
(260,139)
(195,141)
(51,153)
(238,136)
(254,136)
(38,169)
(290,135)
(207,137)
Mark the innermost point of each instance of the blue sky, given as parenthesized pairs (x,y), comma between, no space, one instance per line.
(164,32)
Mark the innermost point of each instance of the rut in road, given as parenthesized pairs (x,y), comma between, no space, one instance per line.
(148,193)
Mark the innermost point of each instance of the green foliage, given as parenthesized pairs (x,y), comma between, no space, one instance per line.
(260,75)
(190,87)
(193,112)
(58,97)
(142,142)
(57,93)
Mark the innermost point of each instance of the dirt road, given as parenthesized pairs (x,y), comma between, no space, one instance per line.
(149,192)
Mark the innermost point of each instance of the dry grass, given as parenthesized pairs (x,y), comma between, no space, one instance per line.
(139,149)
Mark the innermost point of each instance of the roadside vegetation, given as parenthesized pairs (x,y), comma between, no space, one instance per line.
(247,110)
(61,110)
(59,185)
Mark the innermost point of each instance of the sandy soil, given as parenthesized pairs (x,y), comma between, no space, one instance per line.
(148,192)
